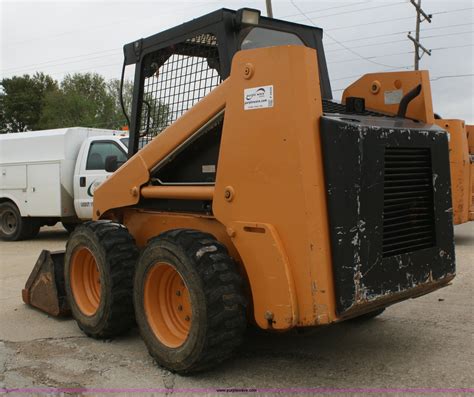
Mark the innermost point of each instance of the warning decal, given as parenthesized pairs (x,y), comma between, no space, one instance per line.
(258,97)
(393,97)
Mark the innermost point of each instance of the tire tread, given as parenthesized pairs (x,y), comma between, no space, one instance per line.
(121,255)
(222,285)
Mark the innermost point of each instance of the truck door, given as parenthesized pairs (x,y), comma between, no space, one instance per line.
(92,173)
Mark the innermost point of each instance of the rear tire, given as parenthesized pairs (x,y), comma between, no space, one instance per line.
(98,271)
(13,227)
(189,302)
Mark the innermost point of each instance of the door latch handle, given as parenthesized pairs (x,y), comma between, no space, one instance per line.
(82,181)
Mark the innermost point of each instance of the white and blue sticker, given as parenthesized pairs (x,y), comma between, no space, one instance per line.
(258,97)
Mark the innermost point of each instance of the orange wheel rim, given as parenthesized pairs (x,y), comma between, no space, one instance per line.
(167,305)
(85,281)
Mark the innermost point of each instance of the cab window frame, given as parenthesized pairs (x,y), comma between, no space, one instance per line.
(88,168)
(246,31)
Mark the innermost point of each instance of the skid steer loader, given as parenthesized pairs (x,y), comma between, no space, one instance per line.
(250,195)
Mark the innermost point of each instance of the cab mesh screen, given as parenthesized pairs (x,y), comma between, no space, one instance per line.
(175,79)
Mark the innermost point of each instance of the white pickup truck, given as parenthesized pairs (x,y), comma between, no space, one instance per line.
(50,176)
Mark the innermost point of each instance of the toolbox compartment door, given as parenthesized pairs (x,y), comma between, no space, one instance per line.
(44,189)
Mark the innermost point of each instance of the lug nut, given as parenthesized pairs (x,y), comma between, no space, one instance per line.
(187,318)
(178,293)
(180,308)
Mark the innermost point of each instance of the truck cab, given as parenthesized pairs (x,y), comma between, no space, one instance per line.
(90,170)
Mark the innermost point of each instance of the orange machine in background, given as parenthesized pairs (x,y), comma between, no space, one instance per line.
(461,168)
(383,92)
(470,140)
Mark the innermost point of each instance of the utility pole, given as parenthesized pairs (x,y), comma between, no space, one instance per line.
(416,39)
(269,8)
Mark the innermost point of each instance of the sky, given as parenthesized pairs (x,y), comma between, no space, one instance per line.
(360,36)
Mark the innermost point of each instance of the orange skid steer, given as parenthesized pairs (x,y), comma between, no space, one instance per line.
(250,195)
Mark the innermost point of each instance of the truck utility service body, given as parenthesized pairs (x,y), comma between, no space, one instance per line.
(51,175)
(256,196)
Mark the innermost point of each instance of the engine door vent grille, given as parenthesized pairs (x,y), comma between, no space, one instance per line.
(408,212)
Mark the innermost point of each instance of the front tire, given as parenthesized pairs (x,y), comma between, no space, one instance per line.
(189,302)
(98,271)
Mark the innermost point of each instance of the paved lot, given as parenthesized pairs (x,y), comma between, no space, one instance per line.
(426,342)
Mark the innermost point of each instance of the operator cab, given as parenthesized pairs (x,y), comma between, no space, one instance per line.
(178,67)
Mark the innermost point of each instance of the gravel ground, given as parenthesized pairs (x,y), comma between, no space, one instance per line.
(420,343)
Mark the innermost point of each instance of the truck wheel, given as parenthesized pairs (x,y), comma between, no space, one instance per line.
(189,302)
(12,226)
(98,271)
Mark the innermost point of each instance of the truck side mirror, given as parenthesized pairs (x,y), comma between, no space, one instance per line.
(111,163)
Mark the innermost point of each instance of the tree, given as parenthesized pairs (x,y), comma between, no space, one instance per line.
(22,100)
(156,115)
(86,100)
(159,112)
(83,100)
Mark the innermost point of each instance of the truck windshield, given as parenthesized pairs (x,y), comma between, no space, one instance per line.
(261,37)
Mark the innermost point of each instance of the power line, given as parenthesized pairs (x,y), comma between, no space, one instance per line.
(64,33)
(369,59)
(72,62)
(401,32)
(88,68)
(374,56)
(447,35)
(367,45)
(96,27)
(403,53)
(31,66)
(451,76)
(396,19)
(349,12)
(402,40)
(358,75)
(326,9)
(83,56)
(451,47)
(370,23)
(341,44)
(450,11)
